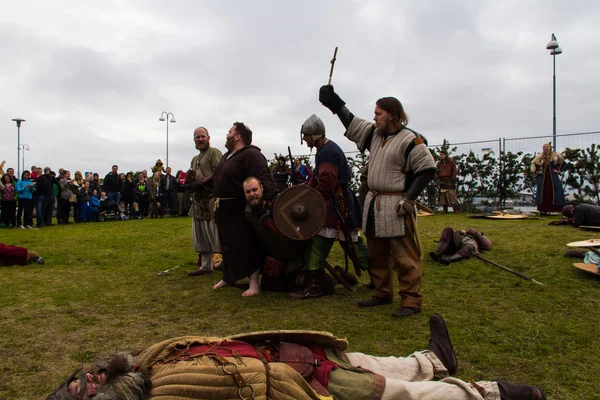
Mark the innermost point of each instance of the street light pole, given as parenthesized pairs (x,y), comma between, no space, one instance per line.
(164,116)
(554,51)
(24,147)
(18,121)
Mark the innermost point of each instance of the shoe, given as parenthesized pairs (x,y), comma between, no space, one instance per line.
(21,227)
(374,301)
(440,343)
(512,391)
(27,227)
(311,292)
(405,312)
(436,255)
(369,285)
(199,272)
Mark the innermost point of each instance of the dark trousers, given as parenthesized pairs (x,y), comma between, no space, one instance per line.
(143,203)
(25,212)
(44,206)
(64,207)
(169,198)
(9,212)
(115,196)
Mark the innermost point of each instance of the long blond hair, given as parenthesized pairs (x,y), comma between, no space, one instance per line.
(80,179)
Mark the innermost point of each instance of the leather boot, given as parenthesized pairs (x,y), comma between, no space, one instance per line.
(440,343)
(512,391)
(456,209)
(445,208)
(446,242)
(309,285)
(449,260)
(436,255)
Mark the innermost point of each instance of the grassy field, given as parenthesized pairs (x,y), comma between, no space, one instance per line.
(99,293)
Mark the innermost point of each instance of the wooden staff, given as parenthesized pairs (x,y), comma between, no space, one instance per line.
(332,64)
(509,270)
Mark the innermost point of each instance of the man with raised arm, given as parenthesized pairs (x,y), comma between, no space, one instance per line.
(400,167)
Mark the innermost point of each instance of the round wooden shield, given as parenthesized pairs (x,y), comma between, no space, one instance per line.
(507,216)
(585,243)
(299,212)
(593,268)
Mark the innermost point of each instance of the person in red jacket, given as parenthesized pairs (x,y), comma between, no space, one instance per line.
(15,255)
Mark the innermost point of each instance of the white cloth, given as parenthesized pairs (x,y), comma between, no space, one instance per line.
(410,378)
(332,233)
(204,236)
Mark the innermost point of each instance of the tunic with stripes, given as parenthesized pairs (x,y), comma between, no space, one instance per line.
(394,161)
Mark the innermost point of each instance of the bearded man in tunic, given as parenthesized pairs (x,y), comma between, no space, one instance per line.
(445,178)
(400,167)
(204,230)
(243,255)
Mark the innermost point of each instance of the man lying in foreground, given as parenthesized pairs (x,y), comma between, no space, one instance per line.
(284,365)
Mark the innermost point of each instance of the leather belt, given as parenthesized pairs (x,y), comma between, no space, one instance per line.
(231,369)
(377,193)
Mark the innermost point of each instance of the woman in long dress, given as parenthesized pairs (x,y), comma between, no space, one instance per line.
(550,196)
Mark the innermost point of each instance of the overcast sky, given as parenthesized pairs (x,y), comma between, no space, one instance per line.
(92,77)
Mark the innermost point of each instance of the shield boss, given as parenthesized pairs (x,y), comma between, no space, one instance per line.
(299,212)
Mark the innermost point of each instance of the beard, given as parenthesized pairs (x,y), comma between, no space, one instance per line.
(202,146)
(230,143)
(255,203)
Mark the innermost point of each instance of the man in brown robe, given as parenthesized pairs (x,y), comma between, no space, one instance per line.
(445,178)
(240,247)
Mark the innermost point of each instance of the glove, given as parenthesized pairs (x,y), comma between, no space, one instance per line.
(194,186)
(406,207)
(330,99)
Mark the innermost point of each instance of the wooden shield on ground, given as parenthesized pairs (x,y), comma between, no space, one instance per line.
(507,216)
(299,212)
(585,243)
(593,268)
(478,215)
(596,228)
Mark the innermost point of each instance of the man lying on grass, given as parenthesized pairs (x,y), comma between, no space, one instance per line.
(285,365)
(15,255)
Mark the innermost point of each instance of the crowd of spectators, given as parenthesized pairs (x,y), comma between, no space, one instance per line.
(72,198)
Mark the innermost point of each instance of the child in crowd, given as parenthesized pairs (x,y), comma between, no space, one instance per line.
(134,212)
(122,215)
(84,194)
(94,205)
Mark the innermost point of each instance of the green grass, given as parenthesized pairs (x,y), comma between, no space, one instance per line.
(99,293)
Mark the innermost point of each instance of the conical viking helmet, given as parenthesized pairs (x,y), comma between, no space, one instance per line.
(313,126)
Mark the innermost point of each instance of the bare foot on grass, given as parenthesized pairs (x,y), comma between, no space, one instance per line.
(220,284)
(254,288)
